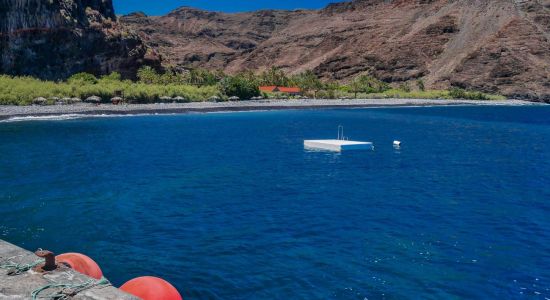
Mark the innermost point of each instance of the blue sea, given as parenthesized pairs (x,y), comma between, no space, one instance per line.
(231,206)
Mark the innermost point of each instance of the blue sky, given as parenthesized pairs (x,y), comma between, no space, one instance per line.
(160,7)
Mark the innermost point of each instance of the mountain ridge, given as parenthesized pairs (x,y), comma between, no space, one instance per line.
(497,46)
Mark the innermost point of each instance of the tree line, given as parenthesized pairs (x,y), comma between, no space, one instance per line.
(245,84)
(200,85)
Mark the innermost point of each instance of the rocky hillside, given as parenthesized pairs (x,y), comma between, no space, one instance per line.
(53,39)
(499,46)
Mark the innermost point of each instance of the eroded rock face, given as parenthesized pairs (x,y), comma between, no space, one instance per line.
(53,39)
(443,42)
(190,37)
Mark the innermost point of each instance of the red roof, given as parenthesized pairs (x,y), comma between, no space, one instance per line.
(289,89)
(282,89)
(269,88)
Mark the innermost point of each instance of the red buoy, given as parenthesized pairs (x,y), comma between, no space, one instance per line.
(80,263)
(151,288)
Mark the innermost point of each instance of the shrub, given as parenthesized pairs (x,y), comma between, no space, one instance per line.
(239,86)
(405,87)
(115,76)
(323,94)
(420,85)
(457,93)
(476,96)
(367,84)
(82,78)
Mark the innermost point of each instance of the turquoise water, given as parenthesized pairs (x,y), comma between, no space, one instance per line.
(230,206)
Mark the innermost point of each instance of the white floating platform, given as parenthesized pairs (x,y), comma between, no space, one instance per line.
(337,145)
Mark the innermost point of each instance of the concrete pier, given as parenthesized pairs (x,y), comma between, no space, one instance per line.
(22,285)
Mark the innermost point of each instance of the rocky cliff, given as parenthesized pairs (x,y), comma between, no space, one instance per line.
(498,46)
(53,39)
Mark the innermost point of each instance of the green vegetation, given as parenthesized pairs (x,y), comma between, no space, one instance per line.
(420,84)
(22,90)
(405,87)
(201,85)
(367,84)
(309,83)
(458,93)
(196,77)
(274,76)
(429,94)
(242,85)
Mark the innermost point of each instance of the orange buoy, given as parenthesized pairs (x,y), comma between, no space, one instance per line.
(80,263)
(151,288)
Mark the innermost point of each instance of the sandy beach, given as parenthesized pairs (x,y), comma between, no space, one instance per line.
(10,112)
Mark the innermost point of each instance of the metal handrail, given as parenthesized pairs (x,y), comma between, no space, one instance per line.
(340,135)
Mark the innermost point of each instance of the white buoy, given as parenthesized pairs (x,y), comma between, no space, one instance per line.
(397,143)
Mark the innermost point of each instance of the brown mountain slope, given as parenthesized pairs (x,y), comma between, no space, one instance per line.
(493,45)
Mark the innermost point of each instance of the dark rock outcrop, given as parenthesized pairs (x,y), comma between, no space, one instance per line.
(53,39)
(500,46)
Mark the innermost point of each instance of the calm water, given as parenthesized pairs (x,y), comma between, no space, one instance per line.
(230,206)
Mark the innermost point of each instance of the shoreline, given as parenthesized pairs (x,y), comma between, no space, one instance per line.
(81,110)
